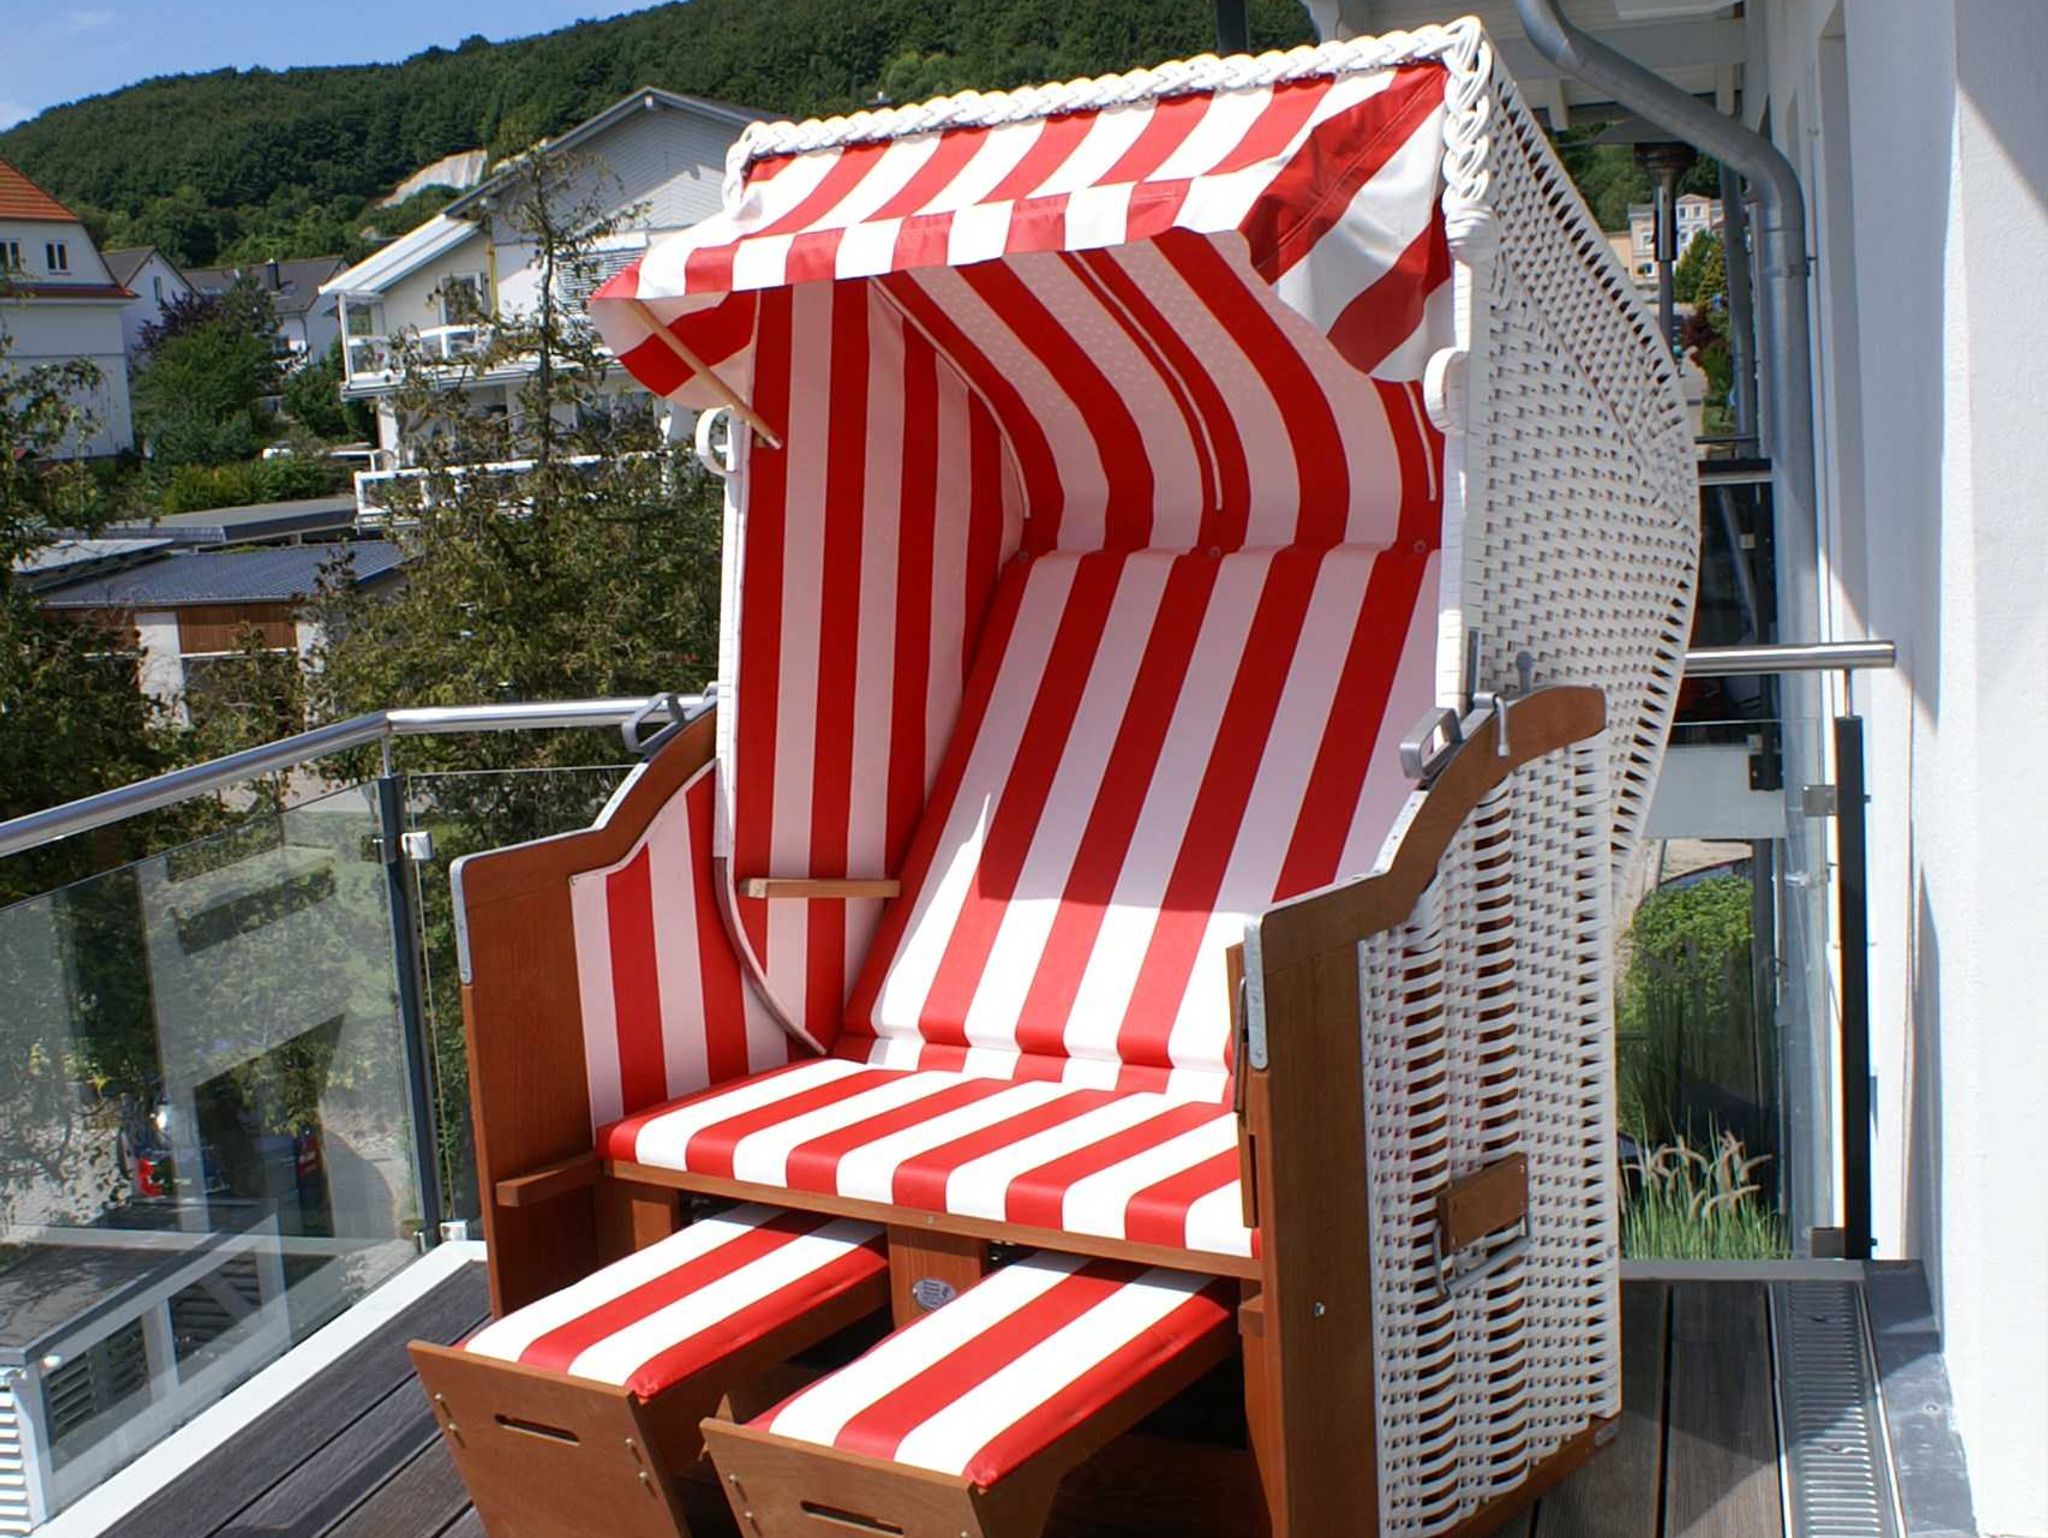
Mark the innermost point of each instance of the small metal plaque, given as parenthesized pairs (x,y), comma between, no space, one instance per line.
(929,1292)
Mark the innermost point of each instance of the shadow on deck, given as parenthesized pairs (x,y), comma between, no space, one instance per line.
(353,1452)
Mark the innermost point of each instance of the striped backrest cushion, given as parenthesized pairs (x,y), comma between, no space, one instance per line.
(861,568)
(1153,747)
(666,1011)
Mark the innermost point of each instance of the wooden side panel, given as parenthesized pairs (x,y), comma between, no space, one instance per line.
(523,1026)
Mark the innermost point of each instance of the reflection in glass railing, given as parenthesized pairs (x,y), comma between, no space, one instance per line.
(1696,1058)
(205,1145)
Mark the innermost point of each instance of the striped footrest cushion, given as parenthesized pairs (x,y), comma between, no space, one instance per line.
(992,1381)
(687,1302)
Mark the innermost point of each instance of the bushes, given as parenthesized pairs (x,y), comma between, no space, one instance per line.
(195,488)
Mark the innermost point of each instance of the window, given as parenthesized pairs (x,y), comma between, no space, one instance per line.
(464,300)
(10,256)
(157,287)
(57,256)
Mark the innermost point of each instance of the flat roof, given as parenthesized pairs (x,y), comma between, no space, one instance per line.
(255,520)
(279,574)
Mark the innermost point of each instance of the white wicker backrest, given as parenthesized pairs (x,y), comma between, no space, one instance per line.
(1487,1032)
(1570,460)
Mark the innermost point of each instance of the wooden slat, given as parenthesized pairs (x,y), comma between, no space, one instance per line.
(836,889)
(418,1501)
(549,1181)
(206,1497)
(1721,1477)
(344,1471)
(1616,1495)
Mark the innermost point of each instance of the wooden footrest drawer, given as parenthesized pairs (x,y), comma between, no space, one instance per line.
(570,1416)
(963,1422)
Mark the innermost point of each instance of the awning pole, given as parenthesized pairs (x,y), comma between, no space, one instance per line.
(705,371)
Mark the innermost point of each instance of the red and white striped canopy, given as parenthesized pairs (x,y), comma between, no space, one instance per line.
(1320,182)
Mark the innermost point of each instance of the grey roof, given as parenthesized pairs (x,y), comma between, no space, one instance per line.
(74,557)
(296,289)
(276,575)
(127,262)
(257,521)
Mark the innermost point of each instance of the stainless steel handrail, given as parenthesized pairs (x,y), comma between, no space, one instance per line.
(124,801)
(1814,657)
(109,806)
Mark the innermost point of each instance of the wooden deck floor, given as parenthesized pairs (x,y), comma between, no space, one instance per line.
(354,1453)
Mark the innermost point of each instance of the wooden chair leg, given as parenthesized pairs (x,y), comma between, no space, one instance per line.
(631,1217)
(928,1270)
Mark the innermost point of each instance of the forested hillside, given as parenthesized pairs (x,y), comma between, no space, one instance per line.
(243,165)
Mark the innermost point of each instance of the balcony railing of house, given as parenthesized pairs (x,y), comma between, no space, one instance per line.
(376,359)
(233,1096)
(391,496)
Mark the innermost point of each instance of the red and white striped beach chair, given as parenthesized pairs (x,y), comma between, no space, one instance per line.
(1186,534)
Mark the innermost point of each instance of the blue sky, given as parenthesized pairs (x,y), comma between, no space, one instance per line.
(58,53)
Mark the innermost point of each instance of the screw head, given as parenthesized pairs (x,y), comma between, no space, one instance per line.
(1320,1310)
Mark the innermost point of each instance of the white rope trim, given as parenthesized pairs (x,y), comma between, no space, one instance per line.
(1461,46)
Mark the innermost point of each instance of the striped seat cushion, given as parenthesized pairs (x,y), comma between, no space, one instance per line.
(675,1308)
(1115,1164)
(980,1387)
(1153,748)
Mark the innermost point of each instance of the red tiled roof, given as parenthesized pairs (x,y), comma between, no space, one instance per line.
(21,198)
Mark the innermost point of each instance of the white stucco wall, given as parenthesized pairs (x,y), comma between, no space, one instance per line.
(57,330)
(1921,129)
(145,310)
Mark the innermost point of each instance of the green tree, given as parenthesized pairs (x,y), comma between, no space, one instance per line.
(312,398)
(1701,275)
(206,370)
(72,720)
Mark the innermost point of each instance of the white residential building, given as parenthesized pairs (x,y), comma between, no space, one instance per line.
(156,283)
(652,162)
(59,302)
(1697,215)
(308,317)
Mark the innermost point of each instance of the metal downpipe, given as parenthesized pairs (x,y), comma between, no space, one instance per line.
(1787,384)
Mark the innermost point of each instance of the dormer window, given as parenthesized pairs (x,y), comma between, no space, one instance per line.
(57,256)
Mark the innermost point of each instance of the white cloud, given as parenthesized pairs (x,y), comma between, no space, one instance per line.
(87,21)
(12,112)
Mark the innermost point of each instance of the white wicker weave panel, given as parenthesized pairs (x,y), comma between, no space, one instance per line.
(1486,1033)
(1581,531)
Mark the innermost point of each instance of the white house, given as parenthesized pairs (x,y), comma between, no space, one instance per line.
(1917,132)
(308,317)
(59,301)
(654,161)
(156,283)
(1697,215)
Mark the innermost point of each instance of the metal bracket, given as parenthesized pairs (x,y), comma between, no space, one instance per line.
(1450,1278)
(1432,740)
(669,705)
(1820,801)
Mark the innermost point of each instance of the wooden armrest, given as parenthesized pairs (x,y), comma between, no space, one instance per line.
(549,1181)
(843,888)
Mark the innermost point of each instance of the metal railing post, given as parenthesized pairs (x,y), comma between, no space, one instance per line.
(412,1015)
(1852,919)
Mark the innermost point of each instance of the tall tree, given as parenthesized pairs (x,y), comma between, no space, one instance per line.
(206,368)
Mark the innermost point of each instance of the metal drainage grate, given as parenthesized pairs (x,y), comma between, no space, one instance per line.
(1838,1481)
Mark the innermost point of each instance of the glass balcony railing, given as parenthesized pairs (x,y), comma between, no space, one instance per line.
(233,1093)
(232,1087)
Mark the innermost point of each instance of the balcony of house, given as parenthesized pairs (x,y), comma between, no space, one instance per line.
(243,1174)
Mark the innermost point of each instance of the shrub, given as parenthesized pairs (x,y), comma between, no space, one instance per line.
(1687,1206)
(195,488)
